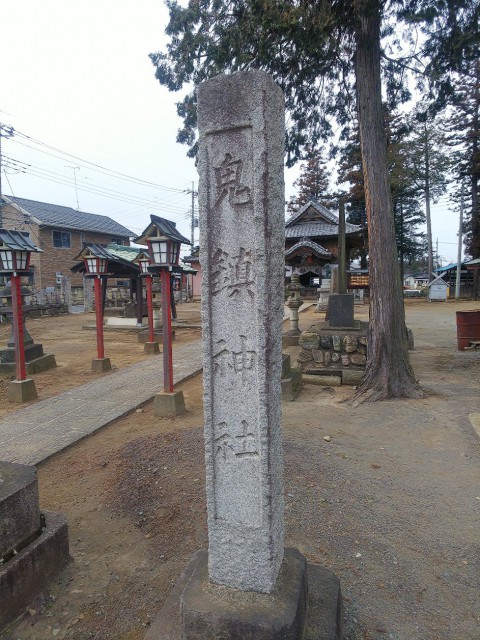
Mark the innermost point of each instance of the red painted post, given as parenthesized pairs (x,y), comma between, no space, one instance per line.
(151,333)
(21,371)
(167,332)
(99,316)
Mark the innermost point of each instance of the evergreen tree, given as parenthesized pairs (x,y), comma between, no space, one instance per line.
(313,183)
(318,52)
(431,164)
(465,137)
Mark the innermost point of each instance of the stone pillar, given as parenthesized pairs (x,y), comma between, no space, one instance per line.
(294,303)
(241,200)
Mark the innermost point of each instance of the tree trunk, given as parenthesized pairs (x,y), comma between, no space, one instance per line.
(388,372)
(427,204)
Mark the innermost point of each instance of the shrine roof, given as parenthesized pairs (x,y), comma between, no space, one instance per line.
(318,229)
(308,244)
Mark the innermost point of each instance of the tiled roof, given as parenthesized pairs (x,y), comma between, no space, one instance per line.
(308,244)
(318,229)
(17,241)
(165,227)
(54,215)
(322,212)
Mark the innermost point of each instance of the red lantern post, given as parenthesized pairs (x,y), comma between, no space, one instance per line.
(151,331)
(167,332)
(97,285)
(21,371)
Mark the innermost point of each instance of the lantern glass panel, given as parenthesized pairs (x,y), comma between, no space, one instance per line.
(102,265)
(144,265)
(6,256)
(159,251)
(174,249)
(91,264)
(21,258)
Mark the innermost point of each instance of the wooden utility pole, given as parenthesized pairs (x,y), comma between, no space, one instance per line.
(460,242)
(342,269)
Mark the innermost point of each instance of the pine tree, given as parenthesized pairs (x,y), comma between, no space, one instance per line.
(313,183)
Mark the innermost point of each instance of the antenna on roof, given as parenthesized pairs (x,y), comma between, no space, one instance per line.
(75,169)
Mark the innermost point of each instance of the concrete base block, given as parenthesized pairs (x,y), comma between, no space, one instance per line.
(158,335)
(19,510)
(352,376)
(324,381)
(151,347)
(21,390)
(166,405)
(43,363)
(290,341)
(27,573)
(292,385)
(100,365)
(306,604)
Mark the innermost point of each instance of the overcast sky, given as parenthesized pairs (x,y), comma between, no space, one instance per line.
(77,77)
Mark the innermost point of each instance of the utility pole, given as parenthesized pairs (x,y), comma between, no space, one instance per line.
(193,214)
(5,132)
(459,254)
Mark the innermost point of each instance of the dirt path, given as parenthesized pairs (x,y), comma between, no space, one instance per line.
(391,504)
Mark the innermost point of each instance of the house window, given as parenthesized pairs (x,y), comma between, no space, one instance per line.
(61,239)
(117,240)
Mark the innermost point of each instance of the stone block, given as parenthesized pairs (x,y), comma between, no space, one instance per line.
(350,344)
(327,358)
(305,356)
(352,376)
(285,365)
(326,342)
(100,365)
(322,380)
(309,340)
(290,341)
(323,618)
(335,357)
(21,391)
(28,573)
(167,405)
(337,343)
(44,363)
(318,356)
(358,359)
(151,347)
(345,360)
(340,310)
(19,510)
(363,340)
(292,385)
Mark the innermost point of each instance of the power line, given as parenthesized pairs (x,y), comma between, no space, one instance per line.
(98,167)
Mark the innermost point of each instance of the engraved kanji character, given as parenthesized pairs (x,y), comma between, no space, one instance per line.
(227,176)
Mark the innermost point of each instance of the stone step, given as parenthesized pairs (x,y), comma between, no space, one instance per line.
(19,510)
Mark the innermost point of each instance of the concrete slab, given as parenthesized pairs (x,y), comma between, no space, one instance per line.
(166,405)
(27,573)
(34,433)
(19,510)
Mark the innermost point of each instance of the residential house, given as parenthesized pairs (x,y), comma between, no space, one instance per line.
(60,232)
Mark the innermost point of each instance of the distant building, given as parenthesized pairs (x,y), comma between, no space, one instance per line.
(60,232)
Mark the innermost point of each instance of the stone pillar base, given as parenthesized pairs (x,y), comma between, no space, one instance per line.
(166,405)
(151,347)
(306,604)
(100,365)
(21,391)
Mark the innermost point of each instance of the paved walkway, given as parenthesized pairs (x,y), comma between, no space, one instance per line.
(35,433)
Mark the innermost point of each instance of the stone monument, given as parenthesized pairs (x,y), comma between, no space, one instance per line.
(247,586)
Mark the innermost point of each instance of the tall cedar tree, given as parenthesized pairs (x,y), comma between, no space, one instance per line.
(317,51)
(431,164)
(465,126)
(313,183)
(407,209)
